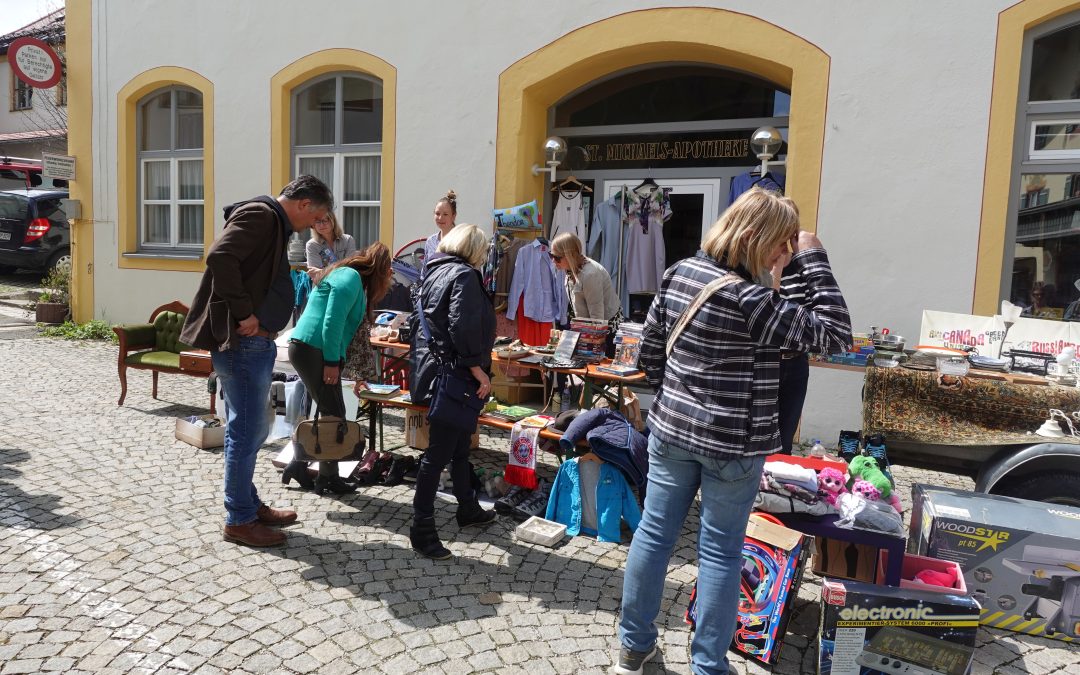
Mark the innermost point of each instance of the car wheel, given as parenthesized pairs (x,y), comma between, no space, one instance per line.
(1052,488)
(57,259)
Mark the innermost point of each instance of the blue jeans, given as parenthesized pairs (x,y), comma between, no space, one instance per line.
(727,495)
(794,375)
(243,374)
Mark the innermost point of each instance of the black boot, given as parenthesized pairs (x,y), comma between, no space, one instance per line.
(474,514)
(425,540)
(328,479)
(298,471)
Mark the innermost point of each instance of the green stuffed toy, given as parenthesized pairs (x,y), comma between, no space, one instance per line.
(864,467)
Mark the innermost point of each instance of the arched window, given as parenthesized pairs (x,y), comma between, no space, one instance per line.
(170,169)
(337,137)
(1043,256)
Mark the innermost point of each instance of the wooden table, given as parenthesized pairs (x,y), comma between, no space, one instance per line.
(379,402)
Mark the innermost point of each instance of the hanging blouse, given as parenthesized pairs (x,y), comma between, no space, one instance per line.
(645,251)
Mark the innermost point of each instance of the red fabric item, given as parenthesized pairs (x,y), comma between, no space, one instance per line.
(533,333)
(519,475)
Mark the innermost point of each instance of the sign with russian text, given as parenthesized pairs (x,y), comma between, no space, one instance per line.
(985,333)
(34,62)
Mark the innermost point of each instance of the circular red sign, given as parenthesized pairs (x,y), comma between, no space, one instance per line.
(33,61)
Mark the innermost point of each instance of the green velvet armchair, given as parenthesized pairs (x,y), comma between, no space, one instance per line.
(154,346)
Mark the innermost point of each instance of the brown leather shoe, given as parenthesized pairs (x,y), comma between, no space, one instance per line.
(253,534)
(269,516)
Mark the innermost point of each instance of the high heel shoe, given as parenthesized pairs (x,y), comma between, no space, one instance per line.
(298,471)
(334,484)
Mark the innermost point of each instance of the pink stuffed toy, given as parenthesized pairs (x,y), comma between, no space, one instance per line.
(866,490)
(935,578)
(831,484)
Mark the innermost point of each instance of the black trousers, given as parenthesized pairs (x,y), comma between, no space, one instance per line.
(794,375)
(308,363)
(447,445)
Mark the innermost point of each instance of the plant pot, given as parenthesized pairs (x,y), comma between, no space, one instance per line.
(50,312)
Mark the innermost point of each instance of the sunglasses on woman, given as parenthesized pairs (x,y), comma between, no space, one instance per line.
(556,258)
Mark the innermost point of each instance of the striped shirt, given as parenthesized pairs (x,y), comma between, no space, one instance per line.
(716,393)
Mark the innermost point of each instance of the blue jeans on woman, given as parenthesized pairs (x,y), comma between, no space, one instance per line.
(727,495)
(244,375)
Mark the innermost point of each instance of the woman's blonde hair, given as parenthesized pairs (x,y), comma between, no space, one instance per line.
(567,245)
(751,229)
(338,232)
(467,242)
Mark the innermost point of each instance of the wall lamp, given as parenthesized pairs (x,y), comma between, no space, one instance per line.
(554,152)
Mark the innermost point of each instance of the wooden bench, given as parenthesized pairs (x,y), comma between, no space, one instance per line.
(156,346)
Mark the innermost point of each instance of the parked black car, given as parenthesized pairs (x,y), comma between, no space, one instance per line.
(34,230)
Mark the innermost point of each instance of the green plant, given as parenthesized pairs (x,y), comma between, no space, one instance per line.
(57,285)
(91,330)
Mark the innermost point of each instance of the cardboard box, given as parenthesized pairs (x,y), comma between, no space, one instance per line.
(845,560)
(899,631)
(417,429)
(201,437)
(913,564)
(773,561)
(1021,559)
(518,389)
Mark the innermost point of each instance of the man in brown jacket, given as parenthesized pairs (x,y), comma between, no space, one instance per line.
(244,300)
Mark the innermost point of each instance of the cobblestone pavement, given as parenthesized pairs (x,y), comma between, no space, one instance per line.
(111,559)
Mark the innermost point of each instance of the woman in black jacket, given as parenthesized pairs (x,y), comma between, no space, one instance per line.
(461,319)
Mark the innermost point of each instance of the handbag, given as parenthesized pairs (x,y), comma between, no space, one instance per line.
(454,401)
(328,438)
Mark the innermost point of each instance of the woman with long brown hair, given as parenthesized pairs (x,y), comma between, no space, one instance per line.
(344,294)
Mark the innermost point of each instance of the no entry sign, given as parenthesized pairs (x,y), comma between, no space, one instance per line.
(35,62)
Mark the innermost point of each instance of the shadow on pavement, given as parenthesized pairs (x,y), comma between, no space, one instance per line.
(21,510)
(346,564)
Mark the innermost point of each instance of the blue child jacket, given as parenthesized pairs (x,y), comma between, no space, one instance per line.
(614,501)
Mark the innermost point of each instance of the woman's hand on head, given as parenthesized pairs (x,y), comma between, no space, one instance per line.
(807,240)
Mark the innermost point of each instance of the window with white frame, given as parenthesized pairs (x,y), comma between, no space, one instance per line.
(1042,253)
(337,137)
(170,161)
(22,95)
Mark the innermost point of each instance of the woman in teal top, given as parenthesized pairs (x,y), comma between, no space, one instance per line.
(347,290)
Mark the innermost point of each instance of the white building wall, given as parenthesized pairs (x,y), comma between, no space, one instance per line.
(901,181)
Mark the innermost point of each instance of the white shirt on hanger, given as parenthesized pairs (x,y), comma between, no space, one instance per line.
(645,249)
(569,216)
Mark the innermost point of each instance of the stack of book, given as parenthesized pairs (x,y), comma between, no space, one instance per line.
(592,339)
(627,350)
(380,391)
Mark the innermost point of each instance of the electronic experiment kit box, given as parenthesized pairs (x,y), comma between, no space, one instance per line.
(866,628)
(1021,559)
(773,561)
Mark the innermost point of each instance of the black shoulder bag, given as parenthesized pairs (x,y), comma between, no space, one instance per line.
(454,401)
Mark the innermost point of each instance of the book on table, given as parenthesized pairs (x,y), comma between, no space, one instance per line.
(616,369)
(380,391)
(510,413)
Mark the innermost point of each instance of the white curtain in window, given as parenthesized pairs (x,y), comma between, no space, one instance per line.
(362,222)
(156,224)
(191,224)
(320,167)
(362,179)
(191,178)
(156,180)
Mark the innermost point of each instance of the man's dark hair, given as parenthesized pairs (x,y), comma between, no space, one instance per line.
(309,187)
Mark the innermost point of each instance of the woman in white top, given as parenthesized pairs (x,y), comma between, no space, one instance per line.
(445,214)
(328,244)
(587,283)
